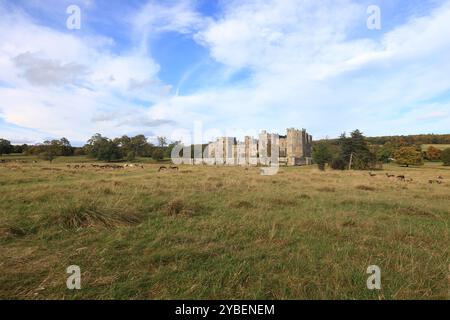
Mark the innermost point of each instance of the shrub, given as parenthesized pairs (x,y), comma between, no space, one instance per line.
(338,164)
(321,155)
(445,157)
(131,156)
(158,154)
(79,152)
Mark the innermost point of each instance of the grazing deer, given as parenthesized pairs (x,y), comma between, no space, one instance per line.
(441,178)
(372,174)
(401,177)
(162,168)
(174,168)
(390,175)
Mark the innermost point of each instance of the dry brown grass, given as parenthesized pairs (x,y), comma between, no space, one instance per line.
(223,232)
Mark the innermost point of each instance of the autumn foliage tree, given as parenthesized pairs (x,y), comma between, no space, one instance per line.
(433,153)
(408,156)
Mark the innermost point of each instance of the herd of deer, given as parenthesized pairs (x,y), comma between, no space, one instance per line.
(165,168)
(15,161)
(106,166)
(404,179)
(115,166)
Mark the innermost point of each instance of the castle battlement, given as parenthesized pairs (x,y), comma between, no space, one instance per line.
(292,149)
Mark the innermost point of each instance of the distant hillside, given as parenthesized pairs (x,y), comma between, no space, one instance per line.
(419,139)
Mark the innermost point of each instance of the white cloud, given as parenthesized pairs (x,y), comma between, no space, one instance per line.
(55,82)
(43,72)
(305,70)
(177,16)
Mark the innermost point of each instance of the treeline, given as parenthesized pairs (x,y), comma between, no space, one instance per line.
(359,152)
(97,147)
(409,140)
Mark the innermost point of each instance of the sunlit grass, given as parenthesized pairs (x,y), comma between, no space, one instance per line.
(222,232)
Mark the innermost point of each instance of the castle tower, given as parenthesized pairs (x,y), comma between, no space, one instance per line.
(264,148)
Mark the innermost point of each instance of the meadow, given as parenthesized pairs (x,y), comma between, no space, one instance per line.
(441,147)
(222,232)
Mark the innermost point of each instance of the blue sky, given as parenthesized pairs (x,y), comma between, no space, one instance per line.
(230,67)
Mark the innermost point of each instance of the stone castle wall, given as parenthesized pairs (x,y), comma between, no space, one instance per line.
(295,148)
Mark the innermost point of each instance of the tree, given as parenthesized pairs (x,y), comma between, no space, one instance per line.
(433,154)
(131,155)
(65,148)
(321,154)
(356,149)
(162,142)
(168,150)
(102,148)
(5,147)
(408,156)
(445,157)
(79,152)
(158,154)
(385,152)
(137,145)
(338,164)
(50,150)
(20,148)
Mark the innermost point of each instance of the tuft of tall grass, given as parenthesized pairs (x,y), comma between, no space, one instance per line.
(93,214)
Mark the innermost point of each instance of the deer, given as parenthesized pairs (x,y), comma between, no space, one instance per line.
(372,174)
(162,168)
(401,177)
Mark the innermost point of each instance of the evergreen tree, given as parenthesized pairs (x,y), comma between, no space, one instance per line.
(321,154)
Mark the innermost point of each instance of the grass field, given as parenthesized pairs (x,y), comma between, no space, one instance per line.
(222,232)
(438,146)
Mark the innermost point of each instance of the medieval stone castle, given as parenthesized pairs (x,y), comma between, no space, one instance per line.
(292,149)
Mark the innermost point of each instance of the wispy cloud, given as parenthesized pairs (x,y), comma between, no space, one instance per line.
(309,63)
